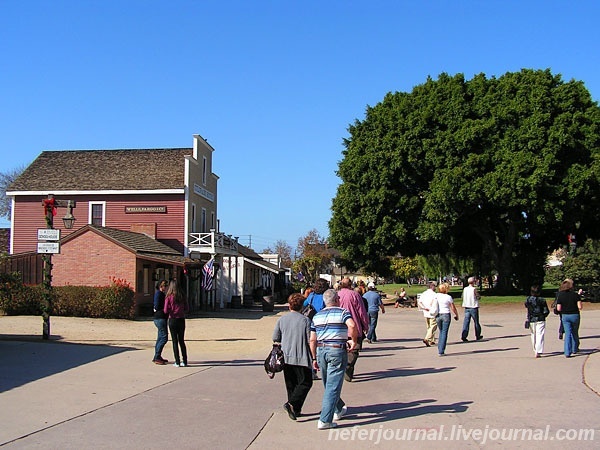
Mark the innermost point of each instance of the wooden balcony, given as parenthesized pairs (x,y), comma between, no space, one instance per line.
(213,242)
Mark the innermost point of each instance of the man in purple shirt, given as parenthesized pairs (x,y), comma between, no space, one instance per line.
(353,302)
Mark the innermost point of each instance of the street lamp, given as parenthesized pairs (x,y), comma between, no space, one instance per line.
(50,204)
(69,219)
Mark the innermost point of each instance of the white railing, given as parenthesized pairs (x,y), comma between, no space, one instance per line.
(214,243)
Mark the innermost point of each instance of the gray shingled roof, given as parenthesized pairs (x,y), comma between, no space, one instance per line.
(93,170)
(137,243)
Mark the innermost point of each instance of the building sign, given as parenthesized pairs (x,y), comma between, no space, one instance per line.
(48,247)
(48,234)
(204,193)
(145,210)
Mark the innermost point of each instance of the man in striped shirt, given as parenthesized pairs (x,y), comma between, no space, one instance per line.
(329,345)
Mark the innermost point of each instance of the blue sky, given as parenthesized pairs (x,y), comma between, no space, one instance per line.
(272,85)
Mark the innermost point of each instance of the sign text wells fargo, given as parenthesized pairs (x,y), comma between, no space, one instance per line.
(145,209)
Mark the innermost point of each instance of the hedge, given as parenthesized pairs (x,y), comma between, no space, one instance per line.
(109,302)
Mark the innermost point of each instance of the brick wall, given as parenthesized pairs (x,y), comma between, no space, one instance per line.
(90,260)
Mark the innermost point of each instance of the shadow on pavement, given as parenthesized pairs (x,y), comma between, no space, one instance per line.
(384,412)
(229,362)
(24,361)
(391,373)
(472,352)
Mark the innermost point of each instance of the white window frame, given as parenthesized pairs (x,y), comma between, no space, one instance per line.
(103,204)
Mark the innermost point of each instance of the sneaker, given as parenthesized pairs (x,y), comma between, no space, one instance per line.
(160,362)
(175,364)
(348,378)
(289,410)
(342,413)
(325,425)
(183,365)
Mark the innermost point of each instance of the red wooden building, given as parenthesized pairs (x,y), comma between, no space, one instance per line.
(136,211)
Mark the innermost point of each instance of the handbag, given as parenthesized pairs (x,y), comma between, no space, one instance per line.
(275,361)
(309,310)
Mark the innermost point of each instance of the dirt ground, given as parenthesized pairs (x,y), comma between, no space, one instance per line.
(239,331)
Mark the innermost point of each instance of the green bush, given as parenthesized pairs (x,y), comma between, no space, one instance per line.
(109,302)
(17,299)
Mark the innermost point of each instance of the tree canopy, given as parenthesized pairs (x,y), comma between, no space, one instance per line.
(500,170)
(313,256)
(6,179)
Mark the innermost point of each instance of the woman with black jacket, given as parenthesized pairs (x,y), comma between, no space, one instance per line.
(537,311)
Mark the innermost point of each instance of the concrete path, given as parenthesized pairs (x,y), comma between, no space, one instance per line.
(57,395)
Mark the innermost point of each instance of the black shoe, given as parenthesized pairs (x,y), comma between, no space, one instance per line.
(560,336)
(464,339)
(479,338)
(426,342)
(290,410)
(347,378)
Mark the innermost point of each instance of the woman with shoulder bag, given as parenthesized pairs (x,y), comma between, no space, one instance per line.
(537,311)
(176,308)
(292,330)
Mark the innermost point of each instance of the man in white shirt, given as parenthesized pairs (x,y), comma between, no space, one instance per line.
(427,305)
(470,302)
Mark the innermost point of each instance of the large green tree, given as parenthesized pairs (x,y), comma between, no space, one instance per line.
(495,169)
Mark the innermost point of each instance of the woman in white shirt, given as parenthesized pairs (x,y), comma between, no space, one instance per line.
(445,307)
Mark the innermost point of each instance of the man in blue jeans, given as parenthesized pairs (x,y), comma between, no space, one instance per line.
(330,330)
(470,302)
(374,303)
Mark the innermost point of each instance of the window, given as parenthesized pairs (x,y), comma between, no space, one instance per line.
(146,280)
(203,220)
(194,225)
(212,221)
(97,213)
(204,170)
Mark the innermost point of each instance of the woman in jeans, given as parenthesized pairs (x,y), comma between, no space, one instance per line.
(445,307)
(568,303)
(176,307)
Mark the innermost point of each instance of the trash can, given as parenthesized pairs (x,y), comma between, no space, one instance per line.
(267,303)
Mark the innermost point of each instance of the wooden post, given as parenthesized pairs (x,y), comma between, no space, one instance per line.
(47,282)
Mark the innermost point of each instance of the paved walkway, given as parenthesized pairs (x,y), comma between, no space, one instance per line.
(57,395)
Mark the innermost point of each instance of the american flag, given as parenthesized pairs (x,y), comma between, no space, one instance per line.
(208,273)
